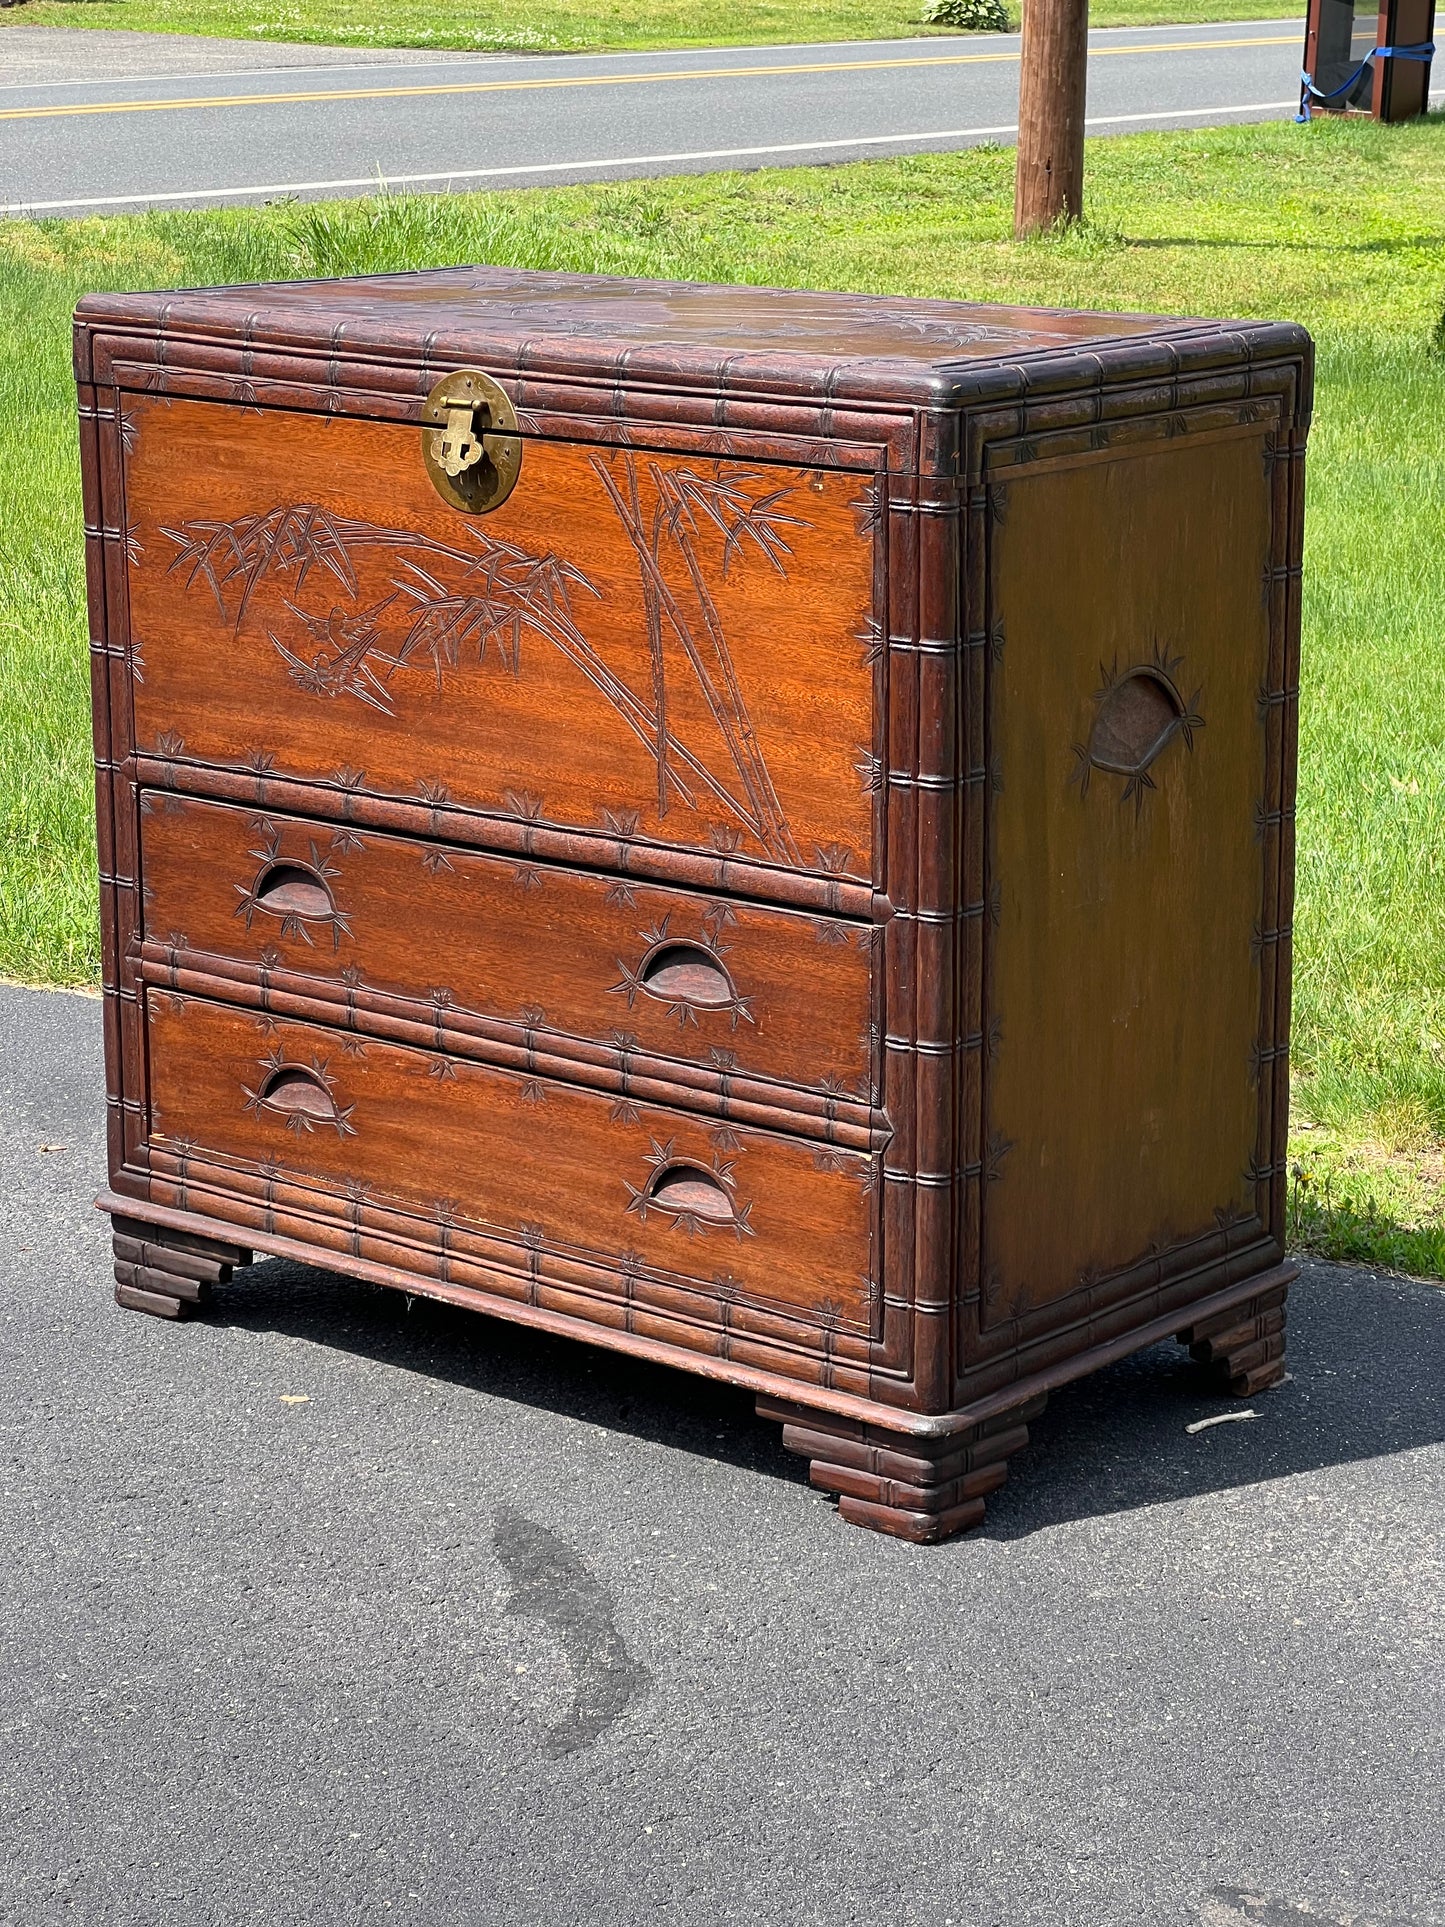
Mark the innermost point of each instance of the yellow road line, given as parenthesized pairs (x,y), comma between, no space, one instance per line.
(597,80)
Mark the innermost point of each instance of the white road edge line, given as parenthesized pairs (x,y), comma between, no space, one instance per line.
(382,182)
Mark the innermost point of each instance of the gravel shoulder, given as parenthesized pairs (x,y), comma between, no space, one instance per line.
(33,56)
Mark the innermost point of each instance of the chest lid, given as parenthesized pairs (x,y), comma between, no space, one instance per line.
(685,334)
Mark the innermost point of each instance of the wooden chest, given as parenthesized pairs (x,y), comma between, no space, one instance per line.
(751,828)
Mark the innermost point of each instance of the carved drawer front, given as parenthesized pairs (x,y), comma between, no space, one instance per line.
(464,944)
(261,1107)
(666,649)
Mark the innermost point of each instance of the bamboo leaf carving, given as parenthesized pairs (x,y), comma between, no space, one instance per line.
(446,604)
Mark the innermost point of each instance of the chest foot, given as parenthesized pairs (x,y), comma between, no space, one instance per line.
(1243,1347)
(913,1488)
(168,1273)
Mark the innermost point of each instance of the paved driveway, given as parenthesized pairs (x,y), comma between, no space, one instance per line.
(334,1608)
(90,119)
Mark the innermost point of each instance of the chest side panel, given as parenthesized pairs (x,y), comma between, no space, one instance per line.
(654,646)
(1128,751)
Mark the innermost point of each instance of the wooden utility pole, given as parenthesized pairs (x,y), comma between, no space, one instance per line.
(1049,182)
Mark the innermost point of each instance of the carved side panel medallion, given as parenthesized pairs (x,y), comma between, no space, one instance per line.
(1138,712)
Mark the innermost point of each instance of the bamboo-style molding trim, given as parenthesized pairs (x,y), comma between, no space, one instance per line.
(897,1418)
(339,1223)
(1268,403)
(531,1049)
(756,408)
(480,829)
(667,370)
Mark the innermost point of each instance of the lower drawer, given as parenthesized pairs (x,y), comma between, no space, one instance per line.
(540,1164)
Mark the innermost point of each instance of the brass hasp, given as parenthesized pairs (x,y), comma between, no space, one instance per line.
(460,447)
(470,444)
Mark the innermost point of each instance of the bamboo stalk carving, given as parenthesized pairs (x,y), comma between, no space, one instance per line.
(445,601)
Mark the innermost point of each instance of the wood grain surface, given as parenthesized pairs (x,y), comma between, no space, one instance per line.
(1124,971)
(675,647)
(547,1166)
(589,320)
(557,955)
(801,890)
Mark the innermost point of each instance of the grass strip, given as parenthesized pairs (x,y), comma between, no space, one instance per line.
(568,26)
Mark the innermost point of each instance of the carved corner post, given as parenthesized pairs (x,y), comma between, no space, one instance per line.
(1049,171)
(1243,1347)
(923,1489)
(168,1273)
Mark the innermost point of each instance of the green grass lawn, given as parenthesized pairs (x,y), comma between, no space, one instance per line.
(557,26)
(1339,226)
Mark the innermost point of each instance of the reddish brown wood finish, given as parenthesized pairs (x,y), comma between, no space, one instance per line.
(1244,1346)
(910,1488)
(672,650)
(801,890)
(534,1162)
(168,1273)
(520,958)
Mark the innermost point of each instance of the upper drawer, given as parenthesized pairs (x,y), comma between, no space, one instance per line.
(671,649)
(544,959)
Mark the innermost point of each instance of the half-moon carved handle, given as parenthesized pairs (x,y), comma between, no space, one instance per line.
(295,1091)
(301,1095)
(687,1191)
(1137,715)
(1136,718)
(297,893)
(291,890)
(685,973)
(693,1198)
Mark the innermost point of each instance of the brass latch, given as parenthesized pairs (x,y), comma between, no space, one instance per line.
(470,443)
(460,448)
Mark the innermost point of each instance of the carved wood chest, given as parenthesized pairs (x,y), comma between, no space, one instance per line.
(751,828)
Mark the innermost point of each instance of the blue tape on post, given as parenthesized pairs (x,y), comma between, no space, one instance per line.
(1310,95)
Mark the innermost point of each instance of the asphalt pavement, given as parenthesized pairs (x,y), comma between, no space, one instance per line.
(333,1607)
(95,119)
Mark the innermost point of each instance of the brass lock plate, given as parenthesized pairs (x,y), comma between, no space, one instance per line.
(470,444)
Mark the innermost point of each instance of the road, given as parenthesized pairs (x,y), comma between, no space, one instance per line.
(92,120)
(333,1608)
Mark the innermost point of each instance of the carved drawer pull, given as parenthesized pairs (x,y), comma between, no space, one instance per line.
(291,890)
(297,893)
(300,1094)
(293,1089)
(685,973)
(1137,714)
(687,1191)
(693,1198)
(1134,722)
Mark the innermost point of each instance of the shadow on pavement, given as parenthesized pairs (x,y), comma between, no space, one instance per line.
(1367,1358)
(499,1360)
